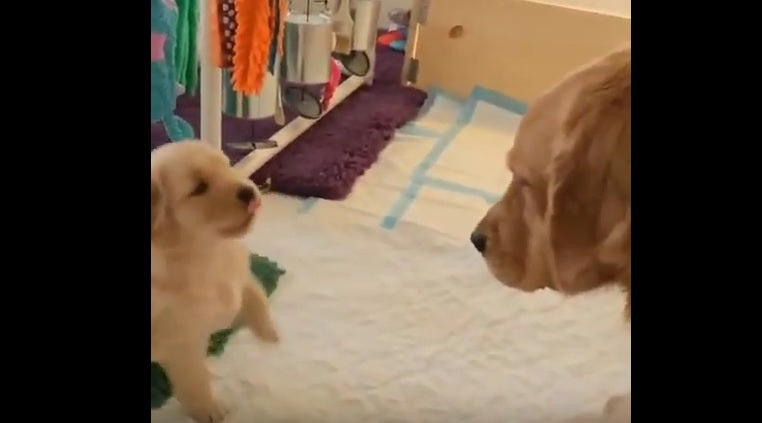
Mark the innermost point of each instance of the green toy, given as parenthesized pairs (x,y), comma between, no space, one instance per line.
(268,273)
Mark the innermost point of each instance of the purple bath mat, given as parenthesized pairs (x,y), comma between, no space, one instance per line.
(327,159)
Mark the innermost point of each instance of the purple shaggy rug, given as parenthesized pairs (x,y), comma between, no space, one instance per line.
(328,158)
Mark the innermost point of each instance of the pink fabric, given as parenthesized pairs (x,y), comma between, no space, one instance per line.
(170,3)
(333,82)
(157,46)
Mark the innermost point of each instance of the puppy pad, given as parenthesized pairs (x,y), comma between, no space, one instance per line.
(265,271)
(404,326)
(403,323)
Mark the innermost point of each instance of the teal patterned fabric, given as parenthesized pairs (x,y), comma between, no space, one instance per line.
(164,15)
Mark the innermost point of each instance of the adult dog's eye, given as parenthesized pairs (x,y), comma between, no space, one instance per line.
(200,189)
(520,182)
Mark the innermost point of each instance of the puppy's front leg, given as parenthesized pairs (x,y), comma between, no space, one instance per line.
(255,313)
(191,383)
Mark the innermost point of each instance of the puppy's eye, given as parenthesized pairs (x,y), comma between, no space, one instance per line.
(200,189)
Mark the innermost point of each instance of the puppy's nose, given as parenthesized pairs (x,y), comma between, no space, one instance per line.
(479,240)
(245,194)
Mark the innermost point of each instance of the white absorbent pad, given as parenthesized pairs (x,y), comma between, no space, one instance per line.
(386,314)
(382,326)
(442,171)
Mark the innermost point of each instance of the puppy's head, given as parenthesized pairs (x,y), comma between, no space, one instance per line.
(564,220)
(195,193)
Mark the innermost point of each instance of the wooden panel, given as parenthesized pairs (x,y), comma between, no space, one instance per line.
(519,48)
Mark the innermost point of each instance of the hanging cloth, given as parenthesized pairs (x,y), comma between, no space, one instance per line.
(252,45)
(215,32)
(163,80)
(274,23)
(186,49)
(282,14)
(333,83)
(278,21)
(228,27)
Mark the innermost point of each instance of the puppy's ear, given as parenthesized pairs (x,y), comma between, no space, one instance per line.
(157,207)
(594,153)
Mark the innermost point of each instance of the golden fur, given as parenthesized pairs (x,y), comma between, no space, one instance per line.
(616,410)
(200,277)
(564,221)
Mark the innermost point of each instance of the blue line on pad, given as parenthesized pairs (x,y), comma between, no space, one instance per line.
(416,130)
(306,205)
(419,179)
(495,98)
(455,187)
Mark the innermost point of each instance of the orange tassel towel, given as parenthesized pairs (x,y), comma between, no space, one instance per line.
(215,38)
(252,45)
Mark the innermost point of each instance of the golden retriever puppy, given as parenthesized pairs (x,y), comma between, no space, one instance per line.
(564,221)
(200,277)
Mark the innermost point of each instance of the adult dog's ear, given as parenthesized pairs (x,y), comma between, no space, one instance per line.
(615,253)
(590,164)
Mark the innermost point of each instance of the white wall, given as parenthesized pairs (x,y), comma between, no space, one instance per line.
(609,7)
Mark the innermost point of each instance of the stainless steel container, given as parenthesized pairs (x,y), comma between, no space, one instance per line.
(311,6)
(307,49)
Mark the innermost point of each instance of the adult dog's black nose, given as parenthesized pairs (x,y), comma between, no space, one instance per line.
(479,240)
(245,194)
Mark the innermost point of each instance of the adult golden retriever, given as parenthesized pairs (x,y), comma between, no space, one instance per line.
(200,277)
(564,221)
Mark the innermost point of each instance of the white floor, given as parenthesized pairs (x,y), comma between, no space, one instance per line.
(388,315)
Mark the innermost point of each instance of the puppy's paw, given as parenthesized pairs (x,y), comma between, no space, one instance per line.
(267,333)
(214,412)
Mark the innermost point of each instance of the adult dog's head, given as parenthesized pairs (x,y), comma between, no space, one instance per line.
(196,194)
(564,221)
